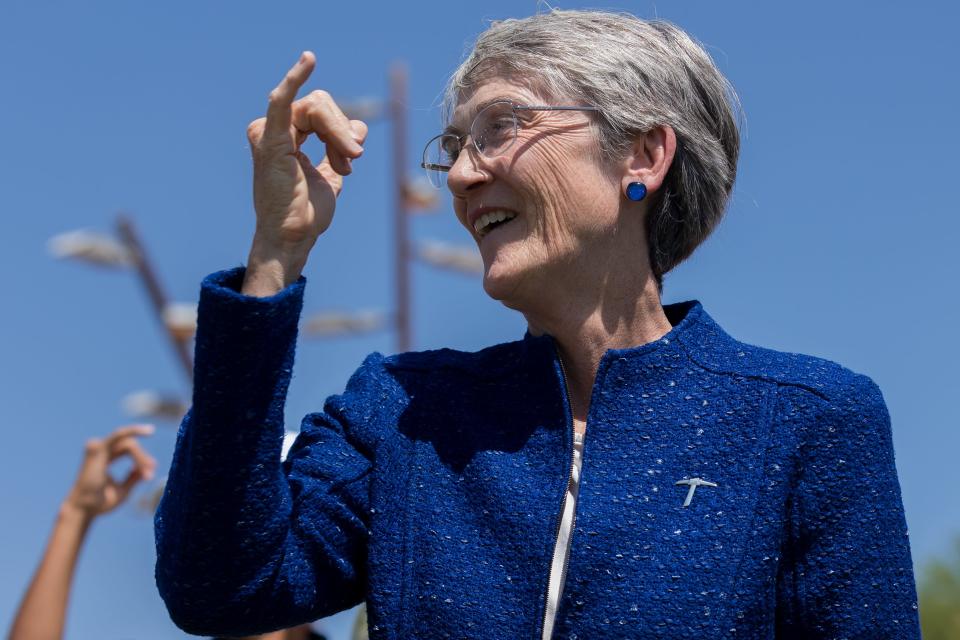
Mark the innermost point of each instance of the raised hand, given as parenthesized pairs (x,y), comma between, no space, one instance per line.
(95,491)
(295,199)
(43,611)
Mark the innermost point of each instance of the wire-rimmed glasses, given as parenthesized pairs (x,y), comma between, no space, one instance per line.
(493,132)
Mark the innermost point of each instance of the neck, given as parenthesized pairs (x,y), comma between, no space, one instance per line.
(618,316)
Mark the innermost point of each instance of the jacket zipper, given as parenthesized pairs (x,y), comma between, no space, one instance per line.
(573,520)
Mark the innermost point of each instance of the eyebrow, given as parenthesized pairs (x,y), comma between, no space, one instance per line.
(450,129)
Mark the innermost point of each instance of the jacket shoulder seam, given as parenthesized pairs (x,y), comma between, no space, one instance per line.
(761,376)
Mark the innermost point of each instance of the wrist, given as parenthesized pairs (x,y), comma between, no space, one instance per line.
(73,514)
(290,253)
(266,277)
(271,268)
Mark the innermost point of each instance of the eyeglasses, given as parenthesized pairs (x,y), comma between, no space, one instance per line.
(493,132)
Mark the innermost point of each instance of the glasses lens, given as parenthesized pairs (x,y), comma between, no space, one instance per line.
(495,129)
(439,156)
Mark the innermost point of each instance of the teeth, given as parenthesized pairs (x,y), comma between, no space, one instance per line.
(484,221)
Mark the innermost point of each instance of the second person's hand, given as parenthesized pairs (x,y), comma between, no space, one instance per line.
(95,490)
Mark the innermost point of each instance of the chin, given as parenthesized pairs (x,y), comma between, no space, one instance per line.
(496,288)
(510,266)
(502,282)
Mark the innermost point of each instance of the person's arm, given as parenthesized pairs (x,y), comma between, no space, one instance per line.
(846,570)
(242,548)
(42,613)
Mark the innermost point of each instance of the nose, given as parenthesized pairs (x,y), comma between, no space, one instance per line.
(467,173)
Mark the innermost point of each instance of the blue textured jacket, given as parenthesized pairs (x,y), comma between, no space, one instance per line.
(433,486)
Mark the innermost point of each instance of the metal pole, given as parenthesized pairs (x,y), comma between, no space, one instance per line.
(398,117)
(128,235)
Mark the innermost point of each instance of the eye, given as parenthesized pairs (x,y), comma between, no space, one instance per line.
(499,124)
(451,147)
(495,130)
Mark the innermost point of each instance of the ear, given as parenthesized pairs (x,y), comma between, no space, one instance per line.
(650,158)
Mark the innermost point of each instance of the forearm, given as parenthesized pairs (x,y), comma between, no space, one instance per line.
(42,612)
(232,436)
(245,351)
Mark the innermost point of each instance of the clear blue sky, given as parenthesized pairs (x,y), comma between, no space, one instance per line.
(840,240)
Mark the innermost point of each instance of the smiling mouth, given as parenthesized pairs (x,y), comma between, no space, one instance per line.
(491,220)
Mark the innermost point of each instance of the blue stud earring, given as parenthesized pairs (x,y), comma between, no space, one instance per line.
(636,191)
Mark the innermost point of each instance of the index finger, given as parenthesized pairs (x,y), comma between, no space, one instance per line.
(127,431)
(278,107)
(143,462)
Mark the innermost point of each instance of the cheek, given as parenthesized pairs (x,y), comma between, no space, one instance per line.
(569,193)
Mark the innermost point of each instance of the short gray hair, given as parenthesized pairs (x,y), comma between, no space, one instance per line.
(641,74)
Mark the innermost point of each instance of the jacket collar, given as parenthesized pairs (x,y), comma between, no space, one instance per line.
(692,327)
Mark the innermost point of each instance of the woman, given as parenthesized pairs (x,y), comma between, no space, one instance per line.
(726,491)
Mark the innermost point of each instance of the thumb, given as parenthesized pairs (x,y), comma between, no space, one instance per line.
(124,488)
(326,173)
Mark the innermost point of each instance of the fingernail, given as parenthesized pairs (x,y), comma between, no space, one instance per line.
(303,58)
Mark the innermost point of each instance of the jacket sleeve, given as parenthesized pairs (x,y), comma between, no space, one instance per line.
(847,570)
(247,543)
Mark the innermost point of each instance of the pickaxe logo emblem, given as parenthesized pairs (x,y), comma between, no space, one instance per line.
(694,483)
